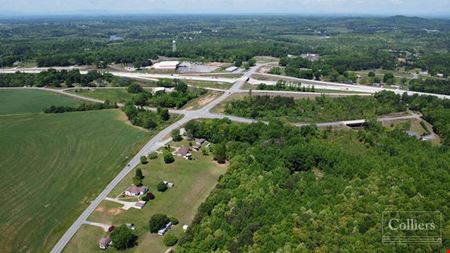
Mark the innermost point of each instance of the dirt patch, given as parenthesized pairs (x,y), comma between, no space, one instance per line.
(202,101)
(114,211)
(100,209)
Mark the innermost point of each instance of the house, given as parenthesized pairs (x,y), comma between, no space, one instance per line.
(165,229)
(104,243)
(231,69)
(311,57)
(197,147)
(162,89)
(166,65)
(135,190)
(200,141)
(184,152)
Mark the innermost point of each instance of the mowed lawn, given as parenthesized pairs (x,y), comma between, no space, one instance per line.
(53,165)
(194,180)
(31,101)
(119,95)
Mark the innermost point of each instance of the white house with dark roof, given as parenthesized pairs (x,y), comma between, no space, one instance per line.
(135,190)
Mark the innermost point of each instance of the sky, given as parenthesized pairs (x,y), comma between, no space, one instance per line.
(353,7)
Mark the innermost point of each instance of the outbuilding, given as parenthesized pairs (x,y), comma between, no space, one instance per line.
(104,243)
(166,65)
(165,229)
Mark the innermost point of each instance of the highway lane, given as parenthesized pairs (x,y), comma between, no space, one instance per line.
(342,86)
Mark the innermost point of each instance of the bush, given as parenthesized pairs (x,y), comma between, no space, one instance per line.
(161,187)
(176,135)
(170,240)
(174,220)
(157,222)
(168,157)
(135,88)
(137,181)
(139,173)
(153,156)
(144,160)
(220,152)
(123,238)
(148,196)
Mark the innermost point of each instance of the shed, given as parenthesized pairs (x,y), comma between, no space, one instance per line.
(104,243)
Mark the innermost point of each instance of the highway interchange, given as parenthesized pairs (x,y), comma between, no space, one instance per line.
(162,139)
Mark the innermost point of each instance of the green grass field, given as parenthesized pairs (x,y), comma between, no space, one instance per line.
(31,101)
(114,95)
(52,165)
(193,182)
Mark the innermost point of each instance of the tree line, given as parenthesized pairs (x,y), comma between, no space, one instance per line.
(81,108)
(54,78)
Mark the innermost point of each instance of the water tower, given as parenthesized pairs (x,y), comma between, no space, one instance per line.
(174,46)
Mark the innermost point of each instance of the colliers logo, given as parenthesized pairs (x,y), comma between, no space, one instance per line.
(411,227)
(410,224)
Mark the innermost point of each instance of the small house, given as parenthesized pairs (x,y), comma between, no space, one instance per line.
(197,147)
(200,141)
(165,229)
(184,152)
(135,190)
(104,243)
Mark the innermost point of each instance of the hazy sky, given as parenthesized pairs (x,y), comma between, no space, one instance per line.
(389,7)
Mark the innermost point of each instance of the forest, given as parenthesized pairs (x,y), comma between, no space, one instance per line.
(319,109)
(431,86)
(303,189)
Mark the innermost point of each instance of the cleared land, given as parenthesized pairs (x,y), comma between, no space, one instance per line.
(118,95)
(193,181)
(52,165)
(31,101)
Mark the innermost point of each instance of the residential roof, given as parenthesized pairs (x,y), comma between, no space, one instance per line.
(200,140)
(136,189)
(183,151)
(166,65)
(105,241)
